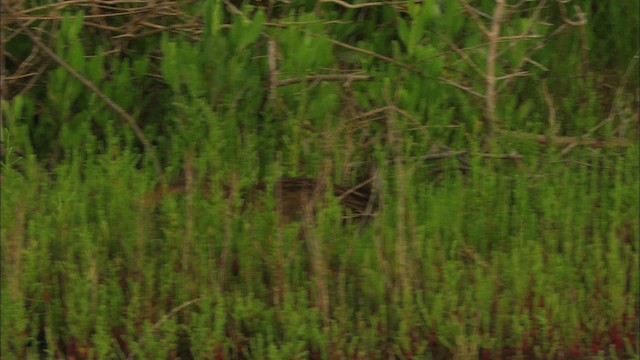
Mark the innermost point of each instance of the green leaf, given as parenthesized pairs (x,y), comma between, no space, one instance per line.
(403,32)
(250,30)
(76,56)
(16,109)
(95,67)
(140,67)
(213,17)
(169,65)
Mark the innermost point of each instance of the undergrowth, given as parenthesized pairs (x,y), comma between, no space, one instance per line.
(504,165)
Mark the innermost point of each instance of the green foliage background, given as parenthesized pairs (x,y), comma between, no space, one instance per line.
(532,257)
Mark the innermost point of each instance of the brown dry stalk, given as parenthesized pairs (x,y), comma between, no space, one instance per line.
(336,77)
(552,108)
(566,140)
(368,52)
(395,109)
(463,55)
(474,16)
(314,242)
(366,5)
(491,95)
(272,61)
(443,155)
(533,19)
(462,87)
(189,221)
(582,18)
(403,270)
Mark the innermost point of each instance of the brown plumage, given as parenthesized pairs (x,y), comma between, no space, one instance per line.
(293,195)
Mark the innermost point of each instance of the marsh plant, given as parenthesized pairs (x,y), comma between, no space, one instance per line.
(469,180)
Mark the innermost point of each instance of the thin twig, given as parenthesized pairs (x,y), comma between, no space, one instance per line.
(355,188)
(443,155)
(565,140)
(462,87)
(519,37)
(509,156)
(539,45)
(272,62)
(582,18)
(492,57)
(370,113)
(516,74)
(552,108)
(463,55)
(368,52)
(366,5)
(474,16)
(232,8)
(337,77)
(394,108)
(536,64)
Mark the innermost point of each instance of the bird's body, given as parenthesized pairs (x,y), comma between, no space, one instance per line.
(294,197)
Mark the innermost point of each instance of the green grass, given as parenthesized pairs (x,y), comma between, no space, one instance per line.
(499,262)
(528,257)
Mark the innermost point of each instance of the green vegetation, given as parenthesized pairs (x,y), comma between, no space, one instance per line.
(503,139)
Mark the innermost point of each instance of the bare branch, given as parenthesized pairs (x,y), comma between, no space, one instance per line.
(474,16)
(366,5)
(232,8)
(582,18)
(367,52)
(509,76)
(463,55)
(552,109)
(272,60)
(336,77)
(519,37)
(370,113)
(490,79)
(536,64)
(443,155)
(462,87)
(531,22)
(566,140)
(510,156)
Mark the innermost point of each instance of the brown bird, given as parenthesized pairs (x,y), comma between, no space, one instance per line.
(293,195)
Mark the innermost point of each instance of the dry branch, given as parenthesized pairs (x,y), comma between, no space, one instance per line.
(566,140)
(474,16)
(272,62)
(492,57)
(552,108)
(368,52)
(366,5)
(443,155)
(462,87)
(338,77)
